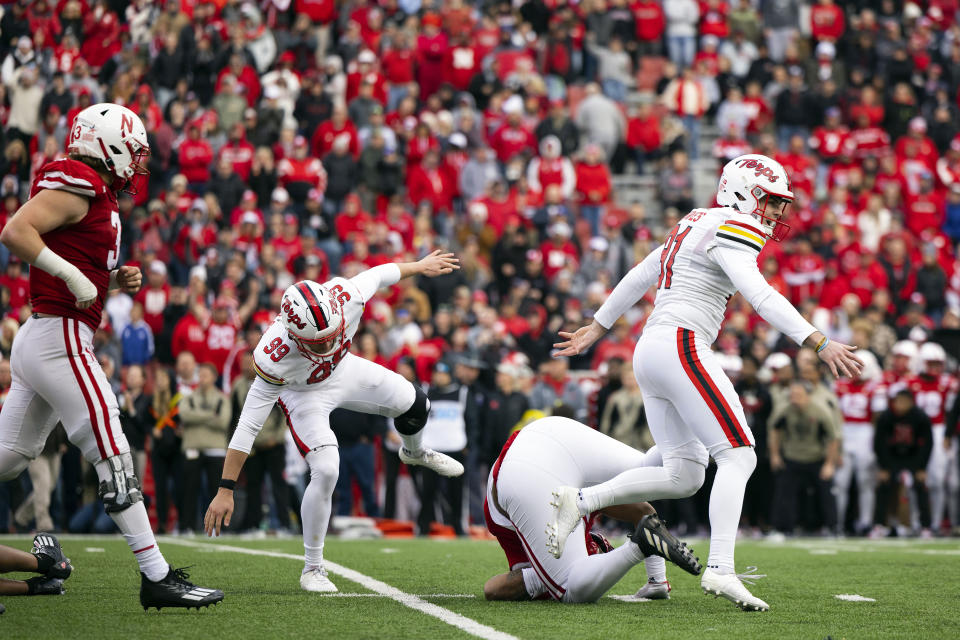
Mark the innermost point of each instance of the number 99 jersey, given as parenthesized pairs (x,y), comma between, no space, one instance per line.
(277,359)
(92,245)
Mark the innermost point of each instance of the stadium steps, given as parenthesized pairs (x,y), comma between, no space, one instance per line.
(630,188)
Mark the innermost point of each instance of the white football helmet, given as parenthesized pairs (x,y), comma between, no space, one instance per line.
(932,352)
(115,135)
(871,368)
(757,185)
(314,319)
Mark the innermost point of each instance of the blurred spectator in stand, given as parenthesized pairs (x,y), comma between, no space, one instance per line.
(903,442)
(804,450)
(167,459)
(205,419)
(446,432)
(135,417)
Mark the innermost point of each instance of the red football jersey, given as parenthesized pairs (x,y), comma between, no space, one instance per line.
(860,401)
(934,394)
(92,245)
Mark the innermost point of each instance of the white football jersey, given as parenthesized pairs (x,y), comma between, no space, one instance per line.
(277,359)
(692,288)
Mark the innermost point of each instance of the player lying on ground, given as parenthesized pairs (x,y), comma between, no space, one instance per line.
(46,558)
(69,232)
(303,362)
(552,451)
(691,406)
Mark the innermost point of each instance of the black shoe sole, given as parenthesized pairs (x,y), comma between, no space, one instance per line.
(181,606)
(653,538)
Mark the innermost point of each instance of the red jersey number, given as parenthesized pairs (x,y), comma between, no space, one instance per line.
(325,368)
(276,349)
(342,296)
(669,254)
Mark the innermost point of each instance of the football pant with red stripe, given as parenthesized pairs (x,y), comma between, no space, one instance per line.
(56,377)
(687,395)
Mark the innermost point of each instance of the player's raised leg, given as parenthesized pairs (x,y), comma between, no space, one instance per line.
(377,390)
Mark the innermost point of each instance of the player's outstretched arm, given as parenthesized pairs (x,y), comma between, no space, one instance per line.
(741,268)
(221,507)
(386,275)
(48,210)
(433,265)
(626,294)
(256,407)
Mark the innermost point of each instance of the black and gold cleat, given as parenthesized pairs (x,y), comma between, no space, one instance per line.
(50,559)
(45,586)
(176,591)
(654,539)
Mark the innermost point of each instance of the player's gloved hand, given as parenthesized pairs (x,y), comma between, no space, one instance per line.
(839,357)
(128,279)
(580,340)
(219,512)
(438,263)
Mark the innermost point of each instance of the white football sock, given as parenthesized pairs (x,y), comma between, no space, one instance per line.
(656,568)
(591,577)
(734,467)
(677,478)
(317,502)
(414,443)
(134,523)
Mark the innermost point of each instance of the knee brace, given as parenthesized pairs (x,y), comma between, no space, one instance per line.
(412,420)
(12,464)
(119,488)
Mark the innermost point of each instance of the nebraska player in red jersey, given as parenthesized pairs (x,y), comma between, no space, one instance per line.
(935,391)
(69,231)
(861,400)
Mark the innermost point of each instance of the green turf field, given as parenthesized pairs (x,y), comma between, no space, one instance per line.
(915,585)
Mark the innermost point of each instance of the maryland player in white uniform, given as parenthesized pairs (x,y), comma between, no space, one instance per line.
(861,401)
(303,363)
(691,406)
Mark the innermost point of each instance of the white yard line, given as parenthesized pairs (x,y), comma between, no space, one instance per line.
(465,624)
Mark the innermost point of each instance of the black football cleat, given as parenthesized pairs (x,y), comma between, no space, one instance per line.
(176,591)
(45,586)
(2,609)
(653,539)
(50,559)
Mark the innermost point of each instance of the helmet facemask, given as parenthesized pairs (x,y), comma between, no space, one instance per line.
(320,348)
(770,209)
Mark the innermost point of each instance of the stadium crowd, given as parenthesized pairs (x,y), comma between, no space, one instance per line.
(298,139)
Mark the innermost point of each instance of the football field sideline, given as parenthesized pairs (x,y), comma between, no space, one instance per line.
(465,624)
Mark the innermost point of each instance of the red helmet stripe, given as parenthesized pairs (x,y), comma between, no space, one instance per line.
(313,303)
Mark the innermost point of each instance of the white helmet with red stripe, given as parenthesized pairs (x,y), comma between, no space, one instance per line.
(757,185)
(313,318)
(114,135)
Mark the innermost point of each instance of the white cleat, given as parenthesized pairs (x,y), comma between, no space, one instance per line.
(654,590)
(729,586)
(441,463)
(316,580)
(566,517)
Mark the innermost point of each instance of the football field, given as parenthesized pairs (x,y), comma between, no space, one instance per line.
(433,589)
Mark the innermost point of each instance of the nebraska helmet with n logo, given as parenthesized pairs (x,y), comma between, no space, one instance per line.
(313,318)
(116,136)
(758,186)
